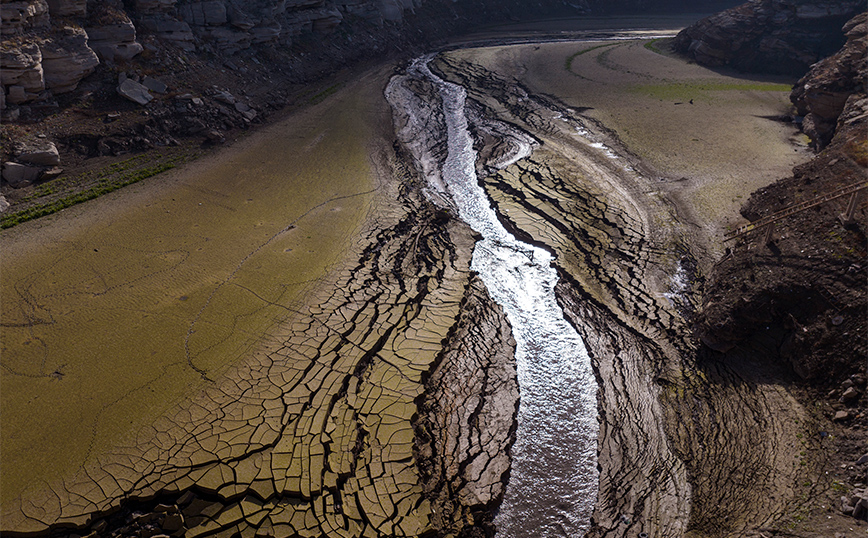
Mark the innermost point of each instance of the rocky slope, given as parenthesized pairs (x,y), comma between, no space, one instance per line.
(769,36)
(798,303)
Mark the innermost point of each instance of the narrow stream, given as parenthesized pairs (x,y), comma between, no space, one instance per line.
(553,482)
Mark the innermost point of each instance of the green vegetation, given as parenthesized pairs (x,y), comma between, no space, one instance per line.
(684,91)
(106,180)
(652,45)
(321,96)
(568,63)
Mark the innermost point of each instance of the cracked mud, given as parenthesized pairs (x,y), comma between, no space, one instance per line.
(374,392)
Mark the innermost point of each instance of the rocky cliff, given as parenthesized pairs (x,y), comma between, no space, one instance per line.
(769,36)
(795,300)
(821,95)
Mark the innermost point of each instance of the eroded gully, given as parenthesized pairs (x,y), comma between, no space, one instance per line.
(553,480)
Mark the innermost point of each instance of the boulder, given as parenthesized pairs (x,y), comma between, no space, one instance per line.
(850,395)
(50,173)
(841,416)
(18,17)
(4,204)
(225,97)
(116,41)
(41,153)
(135,92)
(245,111)
(66,59)
(19,175)
(154,85)
(21,71)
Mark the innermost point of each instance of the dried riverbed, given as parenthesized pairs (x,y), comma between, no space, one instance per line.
(371,389)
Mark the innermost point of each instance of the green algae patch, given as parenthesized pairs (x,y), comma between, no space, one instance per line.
(684,91)
(568,63)
(116,309)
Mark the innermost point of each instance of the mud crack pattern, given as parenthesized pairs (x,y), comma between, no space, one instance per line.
(314,435)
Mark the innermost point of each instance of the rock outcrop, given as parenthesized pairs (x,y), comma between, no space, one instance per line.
(113,37)
(771,36)
(21,72)
(67,59)
(114,30)
(17,17)
(820,96)
(812,304)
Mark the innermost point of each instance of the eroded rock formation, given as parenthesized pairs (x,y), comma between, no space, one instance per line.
(820,96)
(769,36)
(813,300)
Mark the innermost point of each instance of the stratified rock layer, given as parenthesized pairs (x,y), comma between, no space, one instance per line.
(769,36)
(821,94)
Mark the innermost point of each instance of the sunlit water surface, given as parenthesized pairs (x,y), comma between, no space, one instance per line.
(553,481)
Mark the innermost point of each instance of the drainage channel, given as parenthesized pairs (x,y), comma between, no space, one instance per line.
(553,480)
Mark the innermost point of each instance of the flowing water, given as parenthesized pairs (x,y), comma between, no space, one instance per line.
(553,482)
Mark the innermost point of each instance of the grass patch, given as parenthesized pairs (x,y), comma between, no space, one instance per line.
(568,63)
(321,96)
(685,91)
(108,179)
(652,45)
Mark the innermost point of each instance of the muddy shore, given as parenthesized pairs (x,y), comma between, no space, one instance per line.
(619,249)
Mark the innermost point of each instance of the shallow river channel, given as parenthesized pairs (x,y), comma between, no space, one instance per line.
(552,485)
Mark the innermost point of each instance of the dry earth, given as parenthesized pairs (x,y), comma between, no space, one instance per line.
(333,436)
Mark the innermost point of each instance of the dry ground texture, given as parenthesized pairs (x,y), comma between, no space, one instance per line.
(259,328)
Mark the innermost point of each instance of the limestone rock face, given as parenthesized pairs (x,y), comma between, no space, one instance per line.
(775,36)
(67,59)
(210,13)
(172,30)
(820,96)
(67,8)
(21,73)
(116,41)
(146,7)
(16,17)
